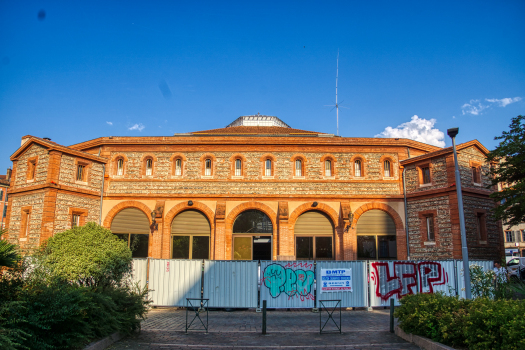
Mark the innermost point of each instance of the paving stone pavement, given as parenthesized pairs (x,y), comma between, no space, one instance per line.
(290,330)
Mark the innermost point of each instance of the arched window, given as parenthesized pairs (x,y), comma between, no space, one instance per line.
(357,168)
(252,236)
(207,167)
(178,167)
(238,167)
(328,167)
(314,234)
(268,167)
(298,167)
(149,166)
(120,166)
(132,226)
(376,236)
(386,168)
(190,236)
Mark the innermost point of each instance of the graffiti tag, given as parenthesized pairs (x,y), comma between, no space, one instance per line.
(403,278)
(292,282)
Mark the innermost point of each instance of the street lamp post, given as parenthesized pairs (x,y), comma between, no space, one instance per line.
(464,250)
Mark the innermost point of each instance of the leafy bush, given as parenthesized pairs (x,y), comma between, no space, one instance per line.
(481,323)
(88,255)
(9,255)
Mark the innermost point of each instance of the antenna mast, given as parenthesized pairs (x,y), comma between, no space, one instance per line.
(336,105)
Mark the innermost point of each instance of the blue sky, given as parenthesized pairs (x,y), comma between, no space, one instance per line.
(100,68)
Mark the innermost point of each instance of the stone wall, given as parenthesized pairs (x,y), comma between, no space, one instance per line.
(443,243)
(492,249)
(65,202)
(41,167)
(68,173)
(36,202)
(438,175)
(464,158)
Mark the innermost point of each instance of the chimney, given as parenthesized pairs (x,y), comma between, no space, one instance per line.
(9,172)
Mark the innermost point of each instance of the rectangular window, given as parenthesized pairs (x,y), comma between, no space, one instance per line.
(357,168)
(481,227)
(268,168)
(304,248)
(81,169)
(327,168)
(426,174)
(476,175)
(430,228)
(31,170)
(522,234)
(5,211)
(120,166)
(207,166)
(387,248)
(386,166)
(366,247)
(509,237)
(25,227)
(298,168)
(178,167)
(309,248)
(242,248)
(238,166)
(517,236)
(149,167)
(75,220)
(1,194)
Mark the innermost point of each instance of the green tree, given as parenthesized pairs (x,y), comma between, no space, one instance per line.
(508,169)
(9,256)
(88,255)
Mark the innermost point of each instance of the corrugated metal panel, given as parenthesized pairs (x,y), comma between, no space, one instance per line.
(313,222)
(460,278)
(130,220)
(190,221)
(231,283)
(358,297)
(375,222)
(437,276)
(140,272)
(287,284)
(172,281)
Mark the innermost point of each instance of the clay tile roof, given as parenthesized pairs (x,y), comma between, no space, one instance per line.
(256,130)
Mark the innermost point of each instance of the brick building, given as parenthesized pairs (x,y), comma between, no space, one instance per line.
(256,189)
(4,186)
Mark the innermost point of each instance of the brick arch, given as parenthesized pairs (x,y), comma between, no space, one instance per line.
(203,208)
(332,214)
(380,206)
(230,219)
(123,205)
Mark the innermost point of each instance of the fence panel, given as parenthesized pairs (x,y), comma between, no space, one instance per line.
(231,283)
(460,277)
(395,279)
(287,284)
(140,272)
(358,297)
(172,281)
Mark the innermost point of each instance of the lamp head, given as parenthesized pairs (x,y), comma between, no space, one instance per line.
(452,132)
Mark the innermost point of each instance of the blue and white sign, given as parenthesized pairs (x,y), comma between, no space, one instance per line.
(336,280)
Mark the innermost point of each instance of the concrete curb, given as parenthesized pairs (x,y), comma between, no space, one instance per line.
(422,342)
(104,343)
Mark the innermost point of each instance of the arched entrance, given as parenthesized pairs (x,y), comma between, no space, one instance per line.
(132,226)
(190,236)
(252,236)
(314,236)
(376,236)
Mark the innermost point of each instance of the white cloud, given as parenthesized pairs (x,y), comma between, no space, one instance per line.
(138,127)
(504,101)
(109,123)
(475,107)
(418,129)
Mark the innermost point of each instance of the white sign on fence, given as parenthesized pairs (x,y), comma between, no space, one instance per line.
(336,280)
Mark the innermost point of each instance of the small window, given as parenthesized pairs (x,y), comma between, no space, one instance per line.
(31,170)
(357,168)
(481,227)
(298,167)
(5,212)
(75,220)
(522,234)
(120,166)
(207,167)
(509,237)
(149,167)
(268,167)
(430,228)
(238,167)
(386,166)
(26,218)
(178,167)
(476,174)
(425,172)
(81,172)
(327,167)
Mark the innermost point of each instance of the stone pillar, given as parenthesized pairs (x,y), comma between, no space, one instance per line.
(48,215)
(53,168)
(284,240)
(219,252)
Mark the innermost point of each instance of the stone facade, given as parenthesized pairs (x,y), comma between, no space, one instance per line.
(148,181)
